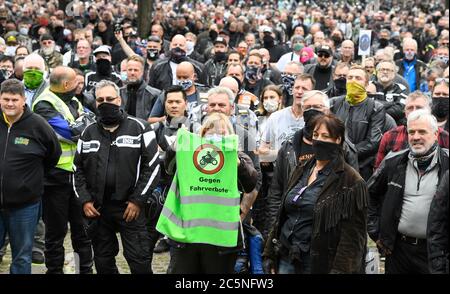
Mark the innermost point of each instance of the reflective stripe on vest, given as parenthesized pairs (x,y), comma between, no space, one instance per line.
(68,148)
(202,205)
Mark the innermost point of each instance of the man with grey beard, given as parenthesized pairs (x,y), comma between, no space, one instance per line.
(51,57)
(401,192)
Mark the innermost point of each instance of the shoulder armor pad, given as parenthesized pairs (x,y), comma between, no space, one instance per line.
(401,86)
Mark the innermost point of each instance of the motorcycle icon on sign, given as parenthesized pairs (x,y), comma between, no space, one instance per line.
(208,159)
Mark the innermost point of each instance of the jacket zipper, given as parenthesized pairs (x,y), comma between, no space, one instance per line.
(4,158)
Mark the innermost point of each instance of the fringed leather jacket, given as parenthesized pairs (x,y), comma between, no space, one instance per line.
(339,233)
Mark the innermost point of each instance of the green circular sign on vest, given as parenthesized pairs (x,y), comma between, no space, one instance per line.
(208,159)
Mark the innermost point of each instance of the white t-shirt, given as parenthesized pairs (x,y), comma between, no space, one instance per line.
(285,59)
(67,56)
(173,67)
(280,126)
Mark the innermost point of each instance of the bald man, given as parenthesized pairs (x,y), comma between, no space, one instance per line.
(163,72)
(33,77)
(185,77)
(58,106)
(347,51)
(269,70)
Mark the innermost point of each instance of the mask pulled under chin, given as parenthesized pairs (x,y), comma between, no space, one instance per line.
(67,96)
(109,114)
(325,150)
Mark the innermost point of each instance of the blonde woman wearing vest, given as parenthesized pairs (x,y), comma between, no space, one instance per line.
(196,258)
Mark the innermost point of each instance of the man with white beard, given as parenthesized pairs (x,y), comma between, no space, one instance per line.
(51,57)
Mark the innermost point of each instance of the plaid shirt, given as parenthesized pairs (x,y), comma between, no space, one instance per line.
(397,139)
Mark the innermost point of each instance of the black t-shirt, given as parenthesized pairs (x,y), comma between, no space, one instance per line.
(132,97)
(322,77)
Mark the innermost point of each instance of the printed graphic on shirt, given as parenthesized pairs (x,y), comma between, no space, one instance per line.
(208,159)
(21,141)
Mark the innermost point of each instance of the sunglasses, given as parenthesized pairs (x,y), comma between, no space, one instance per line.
(324,55)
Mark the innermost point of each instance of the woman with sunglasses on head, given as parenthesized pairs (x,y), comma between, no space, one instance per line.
(321,224)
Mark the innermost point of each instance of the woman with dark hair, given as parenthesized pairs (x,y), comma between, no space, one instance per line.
(321,224)
(271,98)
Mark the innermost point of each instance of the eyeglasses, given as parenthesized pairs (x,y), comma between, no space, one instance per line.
(388,70)
(323,55)
(313,106)
(108,99)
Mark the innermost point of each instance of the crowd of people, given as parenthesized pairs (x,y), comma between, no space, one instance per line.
(333,147)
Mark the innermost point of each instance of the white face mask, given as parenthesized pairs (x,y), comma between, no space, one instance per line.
(123,76)
(270,105)
(214,137)
(190,47)
(23,31)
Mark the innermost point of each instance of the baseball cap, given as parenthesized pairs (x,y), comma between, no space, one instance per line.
(220,40)
(266,29)
(102,49)
(11,39)
(324,49)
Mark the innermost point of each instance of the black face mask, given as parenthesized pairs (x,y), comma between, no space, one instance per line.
(103,67)
(308,117)
(325,150)
(213,34)
(220,56)
(152,54)
(268,41)
(440,107)
(252,73)
(383,42)
(109,114)
(337,40)
(340,85)
(177,55)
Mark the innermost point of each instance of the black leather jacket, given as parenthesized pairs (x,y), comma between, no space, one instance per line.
(146,97)
(338,234)
(214,71)
(364,124)
(137,168)
(437,230)
(386,190)
(160,75)
(393,98)
(287,161)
